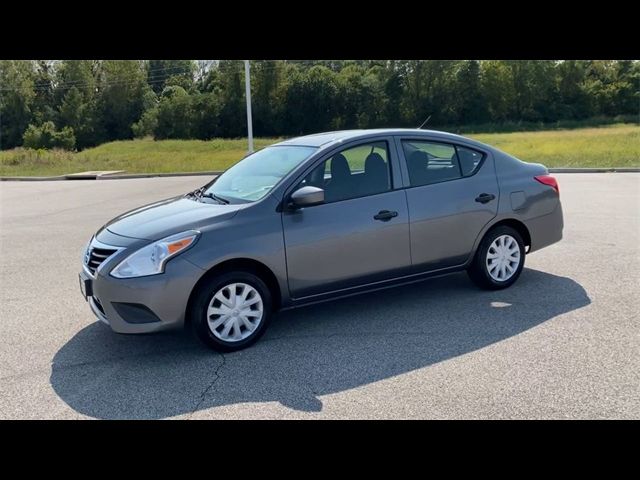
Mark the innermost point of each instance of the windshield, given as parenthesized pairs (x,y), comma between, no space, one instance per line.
(254,176)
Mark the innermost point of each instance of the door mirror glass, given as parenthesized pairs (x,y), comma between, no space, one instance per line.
(307,196)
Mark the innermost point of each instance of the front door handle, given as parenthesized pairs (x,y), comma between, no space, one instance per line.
(385,215)
(485,197)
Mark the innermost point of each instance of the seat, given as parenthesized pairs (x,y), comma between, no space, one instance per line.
(340,186)
(417,166)
(376,175)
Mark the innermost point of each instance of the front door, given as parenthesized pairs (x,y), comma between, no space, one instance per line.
(359,235)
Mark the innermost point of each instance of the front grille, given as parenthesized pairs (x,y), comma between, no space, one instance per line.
(97,256)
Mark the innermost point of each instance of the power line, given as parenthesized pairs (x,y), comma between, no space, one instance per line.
(170,71)
(129,80)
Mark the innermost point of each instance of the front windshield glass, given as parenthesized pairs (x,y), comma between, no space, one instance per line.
(254,176)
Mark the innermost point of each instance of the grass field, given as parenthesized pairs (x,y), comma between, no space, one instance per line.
(609,146)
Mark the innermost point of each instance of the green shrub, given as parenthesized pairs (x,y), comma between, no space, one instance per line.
(46,136)
(147,124)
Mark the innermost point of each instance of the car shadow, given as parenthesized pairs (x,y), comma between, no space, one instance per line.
(307,352)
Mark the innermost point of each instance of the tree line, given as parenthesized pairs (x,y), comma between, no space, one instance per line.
(75,104)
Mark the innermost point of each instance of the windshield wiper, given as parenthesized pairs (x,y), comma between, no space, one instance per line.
(199,193)
(196,193)
(215,197)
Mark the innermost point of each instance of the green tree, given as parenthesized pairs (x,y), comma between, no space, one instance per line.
(161,73)
(499,90)
(16,99)
(573,101)
(148,122)
(205,116)
(81,74)
(391,80)
(229,82)
(43,106)
(310,100)
(122,91)
(429,92)
(76,98)
(627,88)
(266,96)
(174,114)
(470,104)
(362,97)
(116,99)
(79,115)
(534,89)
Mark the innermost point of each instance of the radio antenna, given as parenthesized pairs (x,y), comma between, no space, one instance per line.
(424,123)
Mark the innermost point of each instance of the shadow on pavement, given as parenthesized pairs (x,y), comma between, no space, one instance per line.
(307,352)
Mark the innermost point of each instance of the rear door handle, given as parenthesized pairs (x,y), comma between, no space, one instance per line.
(385,215)
(485,197)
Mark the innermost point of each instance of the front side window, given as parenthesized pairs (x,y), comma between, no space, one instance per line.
(354,172)
(255,176)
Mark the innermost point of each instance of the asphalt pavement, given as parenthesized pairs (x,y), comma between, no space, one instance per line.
(563,342)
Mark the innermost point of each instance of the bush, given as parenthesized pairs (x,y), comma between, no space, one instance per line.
(147,124)
(46,136)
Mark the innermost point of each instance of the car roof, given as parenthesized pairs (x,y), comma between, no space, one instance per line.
(326,139)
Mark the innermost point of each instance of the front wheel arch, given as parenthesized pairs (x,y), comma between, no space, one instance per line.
(239,265)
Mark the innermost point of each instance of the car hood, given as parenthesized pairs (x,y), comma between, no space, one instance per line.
(164,218)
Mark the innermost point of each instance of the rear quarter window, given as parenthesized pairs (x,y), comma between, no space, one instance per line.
(470,160)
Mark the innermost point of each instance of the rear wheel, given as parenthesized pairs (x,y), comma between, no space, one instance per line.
(231,311)
(499,259)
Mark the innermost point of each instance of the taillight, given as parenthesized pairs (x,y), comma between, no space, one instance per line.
(550,181)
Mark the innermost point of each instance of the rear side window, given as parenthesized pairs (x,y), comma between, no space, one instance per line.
(434,162)
(430,162)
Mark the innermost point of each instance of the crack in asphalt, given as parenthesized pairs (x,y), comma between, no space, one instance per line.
(205,392)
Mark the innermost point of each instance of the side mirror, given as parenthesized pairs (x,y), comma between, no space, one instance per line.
(307,196)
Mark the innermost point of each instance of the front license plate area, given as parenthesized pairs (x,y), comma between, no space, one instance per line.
(86,287)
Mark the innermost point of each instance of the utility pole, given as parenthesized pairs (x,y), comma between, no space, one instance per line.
(247,86)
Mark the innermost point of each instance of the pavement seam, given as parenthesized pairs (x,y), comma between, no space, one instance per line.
(206,391)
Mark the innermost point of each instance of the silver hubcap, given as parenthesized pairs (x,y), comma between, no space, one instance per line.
(503,258)
(235,311)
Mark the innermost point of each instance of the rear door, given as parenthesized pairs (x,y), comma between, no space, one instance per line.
(452,193)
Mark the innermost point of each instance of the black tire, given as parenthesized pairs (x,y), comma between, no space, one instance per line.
(204,295)
(478,271)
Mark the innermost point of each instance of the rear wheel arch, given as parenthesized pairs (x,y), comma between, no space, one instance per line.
(239,265)
(499,258)
(517,225)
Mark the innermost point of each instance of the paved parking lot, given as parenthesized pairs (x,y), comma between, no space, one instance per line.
(564,342)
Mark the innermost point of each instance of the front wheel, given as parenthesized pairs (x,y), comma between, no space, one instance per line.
(231,311)
(499,259)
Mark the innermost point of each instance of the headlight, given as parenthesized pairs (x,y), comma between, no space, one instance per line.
(150,260)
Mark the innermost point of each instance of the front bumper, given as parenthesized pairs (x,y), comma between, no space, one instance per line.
(164,295)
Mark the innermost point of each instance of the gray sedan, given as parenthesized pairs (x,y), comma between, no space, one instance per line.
(315,218)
